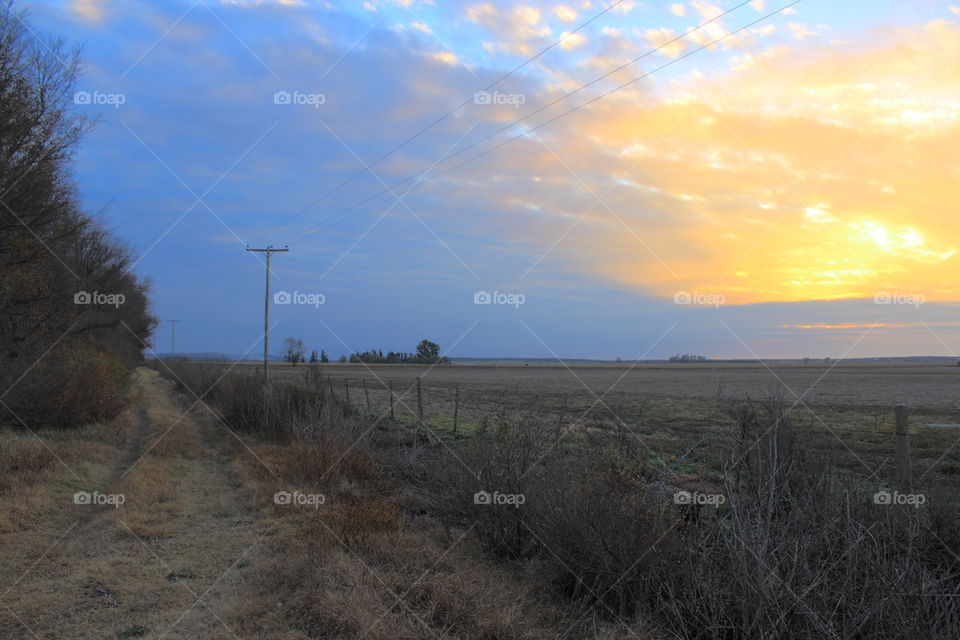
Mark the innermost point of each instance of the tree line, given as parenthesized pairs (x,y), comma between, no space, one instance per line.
(73,318)
(427,352)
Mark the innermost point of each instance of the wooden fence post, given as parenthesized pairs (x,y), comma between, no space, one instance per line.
(330,385)
(366,394)
(392,417)
(420,399)
(563,412)
(903,449)
(346,389)
(456,407)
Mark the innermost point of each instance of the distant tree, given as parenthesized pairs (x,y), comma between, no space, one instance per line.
(343,359)
(323,356)
(313,357)
(293,350)
(687,357)
(428,352)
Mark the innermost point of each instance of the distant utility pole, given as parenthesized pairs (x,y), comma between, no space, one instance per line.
(173,337)
(266,310)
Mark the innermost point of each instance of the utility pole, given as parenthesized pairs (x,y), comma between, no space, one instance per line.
(266,310)
(173,337)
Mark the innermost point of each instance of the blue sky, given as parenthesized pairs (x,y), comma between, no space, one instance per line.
(786,192)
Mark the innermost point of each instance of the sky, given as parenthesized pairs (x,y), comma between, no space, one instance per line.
(550,179)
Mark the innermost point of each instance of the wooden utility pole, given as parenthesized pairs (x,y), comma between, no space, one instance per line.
(173,337)
(266,310)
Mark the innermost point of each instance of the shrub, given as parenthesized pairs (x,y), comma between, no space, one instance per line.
(73,385)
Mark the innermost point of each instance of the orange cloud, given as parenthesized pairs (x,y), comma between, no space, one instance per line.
(815,173)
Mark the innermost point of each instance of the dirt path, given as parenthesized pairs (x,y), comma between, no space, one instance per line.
(166,563)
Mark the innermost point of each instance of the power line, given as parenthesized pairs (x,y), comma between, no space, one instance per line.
(329,222)
(430,126)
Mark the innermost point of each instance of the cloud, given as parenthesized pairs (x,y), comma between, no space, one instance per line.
(660,37)
(571,40)
(518,23)
(92,11)
(774,174)
(814,173)
(565,13)
(678,9)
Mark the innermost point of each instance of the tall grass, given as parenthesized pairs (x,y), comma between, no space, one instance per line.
(796,550)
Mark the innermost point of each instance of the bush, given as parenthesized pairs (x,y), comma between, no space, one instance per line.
(73,385)
(796,551)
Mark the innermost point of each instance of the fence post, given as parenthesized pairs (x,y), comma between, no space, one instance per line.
(392,417)
(366,394)
(330,385)
(563,412)
(456,407)
(903,448)
(346,389)
(420,399)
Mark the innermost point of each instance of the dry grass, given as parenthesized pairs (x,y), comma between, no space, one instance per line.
(83,571)
(363,565)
